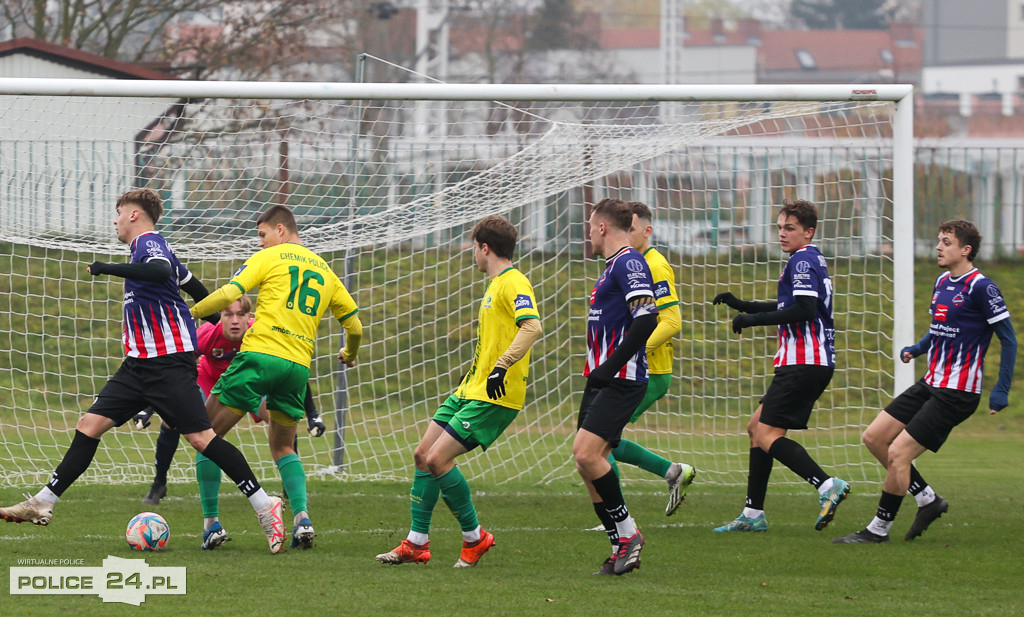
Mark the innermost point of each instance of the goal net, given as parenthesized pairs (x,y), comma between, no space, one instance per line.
(387,190)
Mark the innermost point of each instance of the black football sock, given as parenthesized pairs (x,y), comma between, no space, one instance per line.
(607,487)
(231,461)
(757,477)
(889,506)
(792,455)
(917,483)
(608,522)
(166,446)
(76,460)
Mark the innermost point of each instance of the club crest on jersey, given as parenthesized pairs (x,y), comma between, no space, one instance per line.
(941,310)
(958,299)
(523,301)
(802,267)
(487,301)
(992,291)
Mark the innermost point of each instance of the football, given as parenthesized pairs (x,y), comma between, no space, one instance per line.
(148,531)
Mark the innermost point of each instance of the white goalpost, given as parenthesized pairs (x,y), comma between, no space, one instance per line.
(386,181)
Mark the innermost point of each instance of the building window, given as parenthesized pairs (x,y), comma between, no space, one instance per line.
(806,60)
(886,55)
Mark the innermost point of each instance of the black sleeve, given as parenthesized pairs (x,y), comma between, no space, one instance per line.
(308,403)
(804,310)
(639,331)
(752,306)
(154,271)
(195,288)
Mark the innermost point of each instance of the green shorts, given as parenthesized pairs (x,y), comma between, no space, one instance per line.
(657,387)
(474,423)
(253,375)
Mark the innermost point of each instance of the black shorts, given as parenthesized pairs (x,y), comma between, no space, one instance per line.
(792,393)
(930,413)
(605,411)
(165,383)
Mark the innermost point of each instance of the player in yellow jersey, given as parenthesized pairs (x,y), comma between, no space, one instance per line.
(485,403)
(296,288)
(659,361)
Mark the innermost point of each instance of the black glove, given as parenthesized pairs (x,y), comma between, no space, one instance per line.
(729,300)
(743,321)
(316,425)
(96,268)
(600,377)
(141,419)
(496,383)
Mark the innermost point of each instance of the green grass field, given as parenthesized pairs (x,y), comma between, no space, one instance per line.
(968,563)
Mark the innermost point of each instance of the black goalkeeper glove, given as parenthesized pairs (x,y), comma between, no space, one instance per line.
(743,321)
(496,383)
(97,268)
(729,300)
(316,425)
(142,419)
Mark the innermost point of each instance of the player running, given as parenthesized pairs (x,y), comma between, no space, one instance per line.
(296,288)
(659,360)
(484,405)
(804,365)
(966,309)
(159,370)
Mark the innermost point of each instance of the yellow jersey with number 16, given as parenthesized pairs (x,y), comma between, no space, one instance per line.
(296,289)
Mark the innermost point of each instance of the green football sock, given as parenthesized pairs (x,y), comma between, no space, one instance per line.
(635,454)
(615,466)
(455,492)
(422,499)
(293,477)
(208,476)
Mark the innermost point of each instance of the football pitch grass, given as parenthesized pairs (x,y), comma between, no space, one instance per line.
(968,563)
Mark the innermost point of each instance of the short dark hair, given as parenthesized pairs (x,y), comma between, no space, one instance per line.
(966,234)
(641,210)
(803,211)
(616,212)
(146,199)
(279,214)
(498,233)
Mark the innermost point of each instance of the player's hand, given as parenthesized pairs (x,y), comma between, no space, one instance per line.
(728,299)
(142,419)
(599,377)
(743,321)
(95,268)
(316,425)
(906,355)
(997,401)
(349,362)
(496,383)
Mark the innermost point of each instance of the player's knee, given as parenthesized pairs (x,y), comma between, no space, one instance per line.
(419,458)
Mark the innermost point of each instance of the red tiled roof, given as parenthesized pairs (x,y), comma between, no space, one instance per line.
(841,50)
(79,59)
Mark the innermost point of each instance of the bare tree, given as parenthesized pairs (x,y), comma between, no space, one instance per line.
(197,38)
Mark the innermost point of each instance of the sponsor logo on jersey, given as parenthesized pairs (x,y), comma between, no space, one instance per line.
(802,266)
(992,291)
(239,271)
(634,265)
(941,310)
(661,289)
(487,301)
(523,301)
